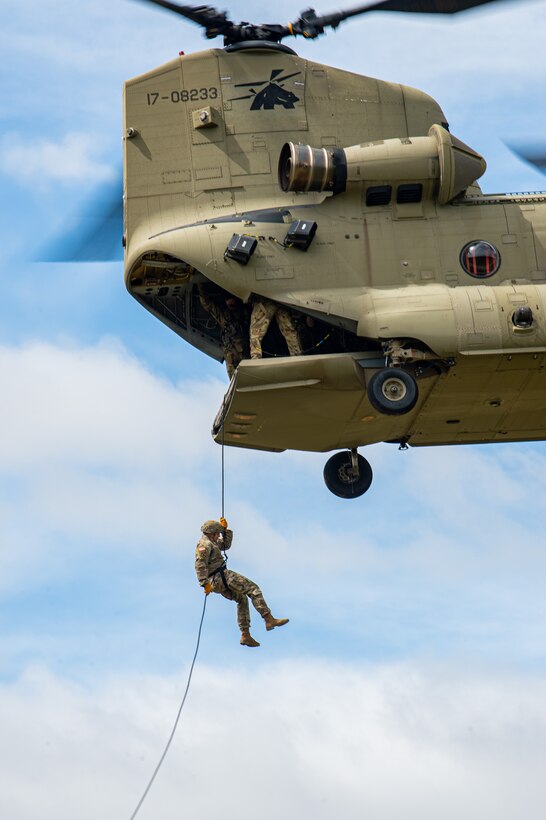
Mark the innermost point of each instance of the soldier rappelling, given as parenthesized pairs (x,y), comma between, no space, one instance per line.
(213,576)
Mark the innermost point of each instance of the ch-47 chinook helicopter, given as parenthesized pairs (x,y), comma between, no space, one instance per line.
(254,172)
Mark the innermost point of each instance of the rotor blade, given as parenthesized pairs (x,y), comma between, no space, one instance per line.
(411,6)
(427,6)
(213,21)
(533,154)
(95,234)
(311,24)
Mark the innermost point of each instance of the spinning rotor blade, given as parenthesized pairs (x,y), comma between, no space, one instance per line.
(533,154)
(414,6)
(95,234)
(213,21)
(309,24)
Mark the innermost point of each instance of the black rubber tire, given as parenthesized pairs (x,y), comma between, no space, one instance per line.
(338,479)
(392,391)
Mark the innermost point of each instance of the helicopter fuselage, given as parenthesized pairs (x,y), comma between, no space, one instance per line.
(409,256)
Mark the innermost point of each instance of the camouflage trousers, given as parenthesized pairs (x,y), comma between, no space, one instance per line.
(233,355)
(262,314)
(240,590)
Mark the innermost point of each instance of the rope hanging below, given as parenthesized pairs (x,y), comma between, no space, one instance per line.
(163,756)
(223,473)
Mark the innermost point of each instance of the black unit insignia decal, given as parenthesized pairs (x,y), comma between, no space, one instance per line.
(273,94)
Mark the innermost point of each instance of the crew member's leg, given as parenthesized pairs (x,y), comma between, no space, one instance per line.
(237,352)
(236,591)
(244,587)
(287,326)
(260,319)
(231,361)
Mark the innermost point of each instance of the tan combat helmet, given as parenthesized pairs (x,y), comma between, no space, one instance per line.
(211,526)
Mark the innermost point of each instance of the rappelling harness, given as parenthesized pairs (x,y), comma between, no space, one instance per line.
(221,571)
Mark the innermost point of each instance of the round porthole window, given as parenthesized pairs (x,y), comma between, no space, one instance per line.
(480,259)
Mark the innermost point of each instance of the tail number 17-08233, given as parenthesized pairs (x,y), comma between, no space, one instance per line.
(186,95)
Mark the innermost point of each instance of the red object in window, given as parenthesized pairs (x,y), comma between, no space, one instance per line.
(480,259)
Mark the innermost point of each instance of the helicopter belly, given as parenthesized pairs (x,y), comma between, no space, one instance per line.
(486,399)
(321,404)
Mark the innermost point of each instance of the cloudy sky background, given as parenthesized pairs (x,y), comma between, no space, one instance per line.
(412,678)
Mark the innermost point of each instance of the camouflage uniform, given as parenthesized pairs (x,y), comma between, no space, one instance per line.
(263,311)
(209,558)
(231,323)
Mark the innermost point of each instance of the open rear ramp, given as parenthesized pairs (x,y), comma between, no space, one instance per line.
(315,403)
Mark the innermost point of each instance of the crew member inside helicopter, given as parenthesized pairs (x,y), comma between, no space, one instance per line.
(229,313)
(263,311)
(292,333)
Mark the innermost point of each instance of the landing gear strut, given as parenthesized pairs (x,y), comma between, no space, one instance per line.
(348,474)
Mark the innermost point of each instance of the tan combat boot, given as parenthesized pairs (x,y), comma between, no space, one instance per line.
(247,639)
(271,622)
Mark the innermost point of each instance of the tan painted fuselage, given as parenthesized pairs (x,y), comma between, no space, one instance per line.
(203,135)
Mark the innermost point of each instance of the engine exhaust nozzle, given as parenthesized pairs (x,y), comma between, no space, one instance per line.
(303,168)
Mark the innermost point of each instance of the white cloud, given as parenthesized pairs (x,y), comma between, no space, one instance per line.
(99,407)
(297,739)
(39,160)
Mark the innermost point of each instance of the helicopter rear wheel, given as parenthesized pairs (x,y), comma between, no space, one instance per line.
(392,391)
(348,474)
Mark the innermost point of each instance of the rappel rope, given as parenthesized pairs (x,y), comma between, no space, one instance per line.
(170,740)
(223,462)
(163,756)
(223,482)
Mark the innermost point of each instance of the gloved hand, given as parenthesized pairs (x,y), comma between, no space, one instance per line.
(223,522)
(207,588)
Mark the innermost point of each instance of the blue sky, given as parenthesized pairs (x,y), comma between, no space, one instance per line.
(415,653)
